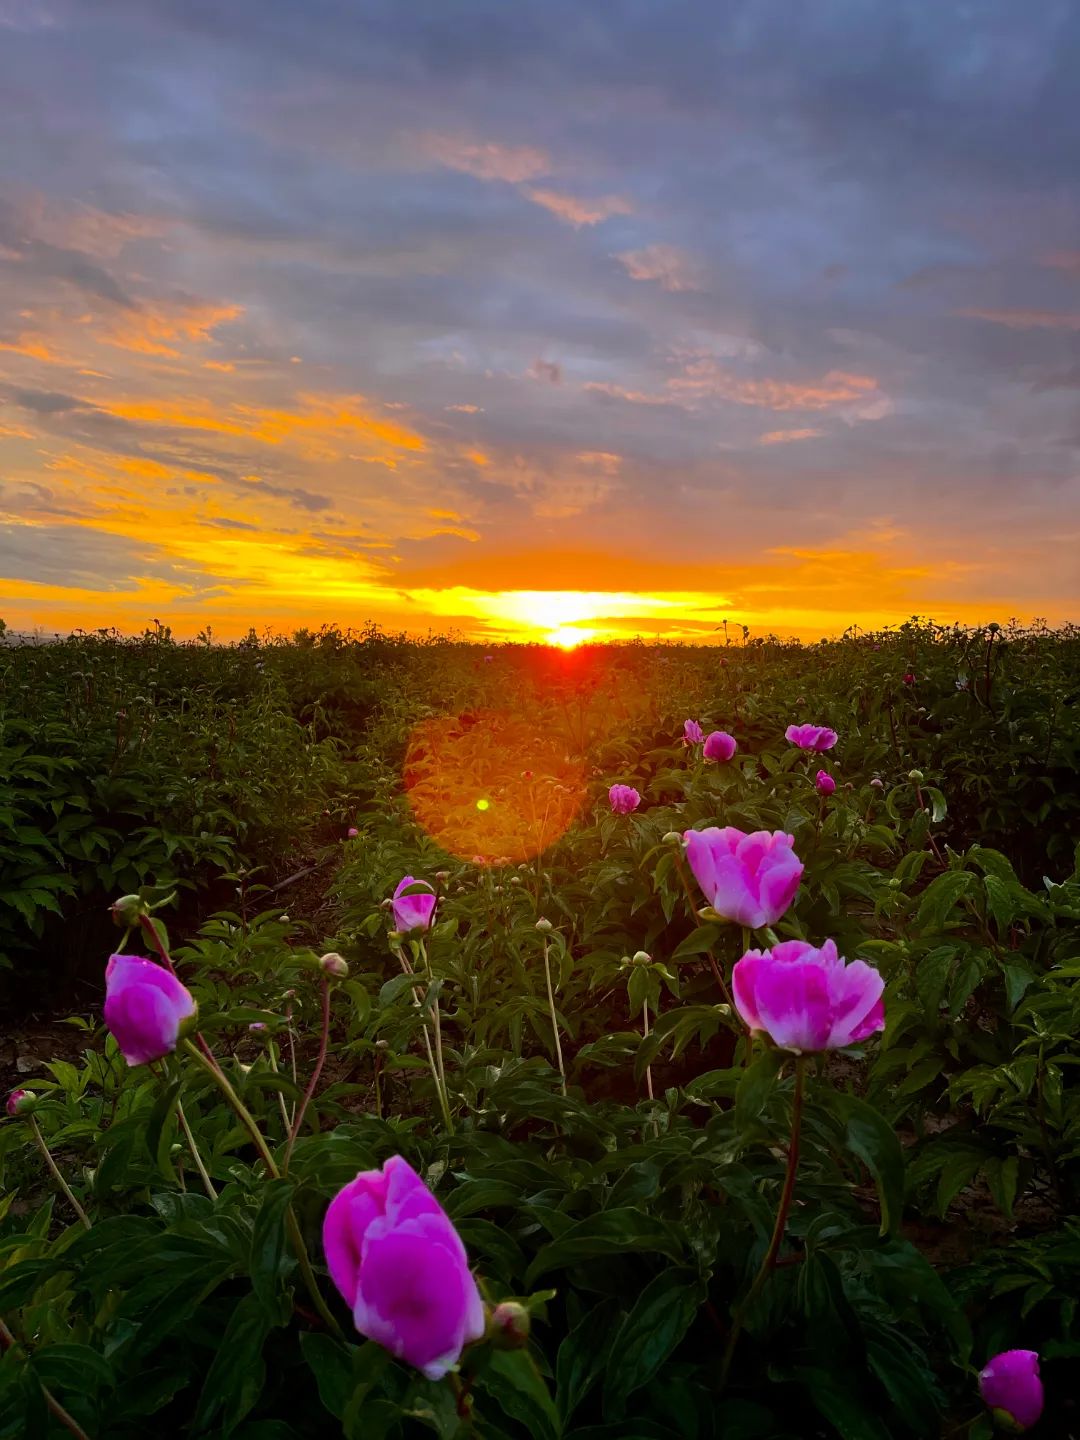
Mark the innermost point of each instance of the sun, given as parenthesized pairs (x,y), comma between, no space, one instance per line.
(565,637)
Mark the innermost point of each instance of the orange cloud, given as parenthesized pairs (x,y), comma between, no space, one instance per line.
(1025,319)
(465,409)
(34,348)
(148,330)
(704,377)
(672,267)
(575,211)
(787,437)
(632,397)
(488,161)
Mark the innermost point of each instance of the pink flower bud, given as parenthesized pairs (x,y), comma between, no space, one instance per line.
(146,1008)
(624,799)
(352,833)
(402,1269)
(334,965)
(1011,1387)
(808,1000)
(719,746)
(909,678)
(748,879)
(412,912)
(20,1102)
(878,783)
(824,783)
(128,908)
(692,732)
(508,1325)
(811,737)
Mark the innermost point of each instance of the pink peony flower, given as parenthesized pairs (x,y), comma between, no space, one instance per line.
(624,799)
(749,879)
(352,832)
(811,737)
(145,1008)
(719,746)
(824,784)
(806,999)
(909,678)
(692,732)
(412,912)
(402,1269)
(1010,1384)
(14,1100)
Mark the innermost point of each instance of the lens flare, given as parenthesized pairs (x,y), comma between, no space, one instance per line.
(490,786)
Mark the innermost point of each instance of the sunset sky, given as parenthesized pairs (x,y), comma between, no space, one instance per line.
(538,319)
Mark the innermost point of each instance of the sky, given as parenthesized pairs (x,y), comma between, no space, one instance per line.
(523,320)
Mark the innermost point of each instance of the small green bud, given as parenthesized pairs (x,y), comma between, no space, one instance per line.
(508,1326)
(673,838)
(544,925)
(334,966)
(641,957)
(916,777)
(127,910)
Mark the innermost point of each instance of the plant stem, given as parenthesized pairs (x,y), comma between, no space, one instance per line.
(297,1240)
(645,1029)
(771,1253)
(444,1103)
(7,1339)
(554,1020)
(437,1027)
(208,1184)
(150,930)
(324,1040)
(54,1170)
(693,911)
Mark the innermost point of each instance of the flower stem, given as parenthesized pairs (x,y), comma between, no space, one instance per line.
(645,1028)
(444,1103)
(771,1253)
(208,1184)
(7,1339)
(554,1020)
(436,1025)
(151,931)
(54,1170)
(291,1225)
(693,911)
(324,1040)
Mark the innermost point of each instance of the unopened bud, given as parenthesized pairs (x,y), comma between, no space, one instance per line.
(915,776)
(514,880)
(642,957)
(128,908)
(382,1044)
(257,1026)
(993,627)
(508,1326)
(386,904)
(673,838)
(442,876)
(878,783)
(334,965)
(543,925)
(21,1102)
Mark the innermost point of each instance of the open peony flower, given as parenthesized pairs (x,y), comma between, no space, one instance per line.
(719,746)
(749,879)
(412,912)
(402,1269)
(811,737)
(692,732)
(145,1008)
(624,799)
(806,999)
(1011,1387)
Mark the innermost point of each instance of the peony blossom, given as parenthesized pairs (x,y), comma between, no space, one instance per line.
(749,879)
(15,1100)
(806,999)
(811,737)
(402,1269)
(909,678)
(719,746)
(412,912)
(624,799)
(352,833)
(145,1008)
(1010,1385)
(692,732)
(824,784)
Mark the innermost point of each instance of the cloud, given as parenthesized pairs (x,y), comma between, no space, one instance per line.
(487,161)
(1025,319)
(465,409)
(788,437)
(1067,260)
(837,389)
(548,370)
(673,268)
(576,211)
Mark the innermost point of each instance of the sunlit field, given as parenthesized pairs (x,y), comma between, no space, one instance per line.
(541,1040)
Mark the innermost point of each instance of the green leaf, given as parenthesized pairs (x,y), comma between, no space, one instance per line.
(268,1242)
(874,1140)
(583,1353)
(237,1373)
(698,942)
(611,1232)
(661,1316)
(755,1087)
(941,896)
(512,1380)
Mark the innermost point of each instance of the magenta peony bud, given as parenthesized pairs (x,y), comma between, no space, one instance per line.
(624,799)
(719,746)
(257,1027)
(811,737)
(145,1008)
(19,1102)
(352,833)
(402,1269)
(692,732)
(806,999)
(824,783)
(413,912)
(909,678)
(749,879)
(1011,1387)
(334,965)
(877,783)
